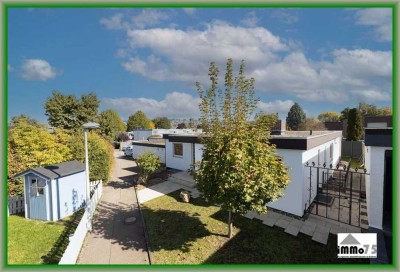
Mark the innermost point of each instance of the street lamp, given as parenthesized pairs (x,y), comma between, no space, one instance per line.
(85,129)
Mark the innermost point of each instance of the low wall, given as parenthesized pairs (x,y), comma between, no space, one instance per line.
(139,148)
(71,253)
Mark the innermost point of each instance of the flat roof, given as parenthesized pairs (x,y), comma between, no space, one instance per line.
(148,143)
(299,140)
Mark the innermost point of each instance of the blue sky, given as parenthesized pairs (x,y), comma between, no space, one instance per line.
(149,59)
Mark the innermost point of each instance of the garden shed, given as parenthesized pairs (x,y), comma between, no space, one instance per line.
(55,191)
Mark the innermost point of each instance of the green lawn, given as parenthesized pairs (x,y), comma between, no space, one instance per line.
(36,242)
(194,233)
(354,162)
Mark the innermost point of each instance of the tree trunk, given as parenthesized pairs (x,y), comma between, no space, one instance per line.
(230,225)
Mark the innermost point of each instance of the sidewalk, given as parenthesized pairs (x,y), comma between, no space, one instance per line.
(111,240)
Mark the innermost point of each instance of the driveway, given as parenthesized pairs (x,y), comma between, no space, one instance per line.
(112,241)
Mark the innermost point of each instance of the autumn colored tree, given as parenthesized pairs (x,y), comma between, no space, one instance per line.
(239,170)
(312,124)
(162,122)
(139,119)
(329,116)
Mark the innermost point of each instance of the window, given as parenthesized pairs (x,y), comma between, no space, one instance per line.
(178,150)
(37,187)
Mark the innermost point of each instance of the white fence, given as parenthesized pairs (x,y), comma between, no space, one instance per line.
(16,204)
(76,240)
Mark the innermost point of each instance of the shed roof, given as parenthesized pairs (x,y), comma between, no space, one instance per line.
(57,170)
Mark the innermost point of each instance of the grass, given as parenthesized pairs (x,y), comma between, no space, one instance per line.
(195,233)
(39,242)
(354,163)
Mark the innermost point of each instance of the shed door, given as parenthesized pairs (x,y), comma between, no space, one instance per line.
(37,195)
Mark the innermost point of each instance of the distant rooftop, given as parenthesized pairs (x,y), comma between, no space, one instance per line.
(303,134)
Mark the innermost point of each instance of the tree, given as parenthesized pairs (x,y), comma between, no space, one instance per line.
(148,162)
(354,126)
(100,151)
(239,170)
(344,114)
(162,122)
(32,146)
(110,124)
(312,124)
(69,112)
(295,117)
(15,120)
(181,126)
(385,111)
(368,109)
(266,121)
(139,119)
(329,116)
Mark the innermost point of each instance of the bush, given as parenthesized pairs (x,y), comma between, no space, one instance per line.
(101,154)
(148,162)
(122,137)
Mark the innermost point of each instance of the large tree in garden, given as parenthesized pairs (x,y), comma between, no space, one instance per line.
(69,112)
(295,117)
(110,124)
(354,125)
(162,122)
(329,116)
(139,119)
(239,170)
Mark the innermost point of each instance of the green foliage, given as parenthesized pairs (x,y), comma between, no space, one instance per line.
(266,121)
(344,114)
(148,162)
(110,124)
(373,110)
(354,125)
(32,146)
(295,117)
(69,112)
(329,116)
(239,170)
(15,120)
(312,124)
(101,154)
(139,119)
(181,126)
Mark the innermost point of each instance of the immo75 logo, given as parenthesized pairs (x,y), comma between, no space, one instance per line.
(357,245)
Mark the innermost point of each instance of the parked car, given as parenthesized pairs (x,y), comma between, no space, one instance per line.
(128,150)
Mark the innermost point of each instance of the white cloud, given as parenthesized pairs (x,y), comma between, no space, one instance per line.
(114,23)
(174,105)
(149,17)
(189,11)
(286,15)
(251,20)
(187,54)
(378,18)
(37,69)
(372,95)
(277,106)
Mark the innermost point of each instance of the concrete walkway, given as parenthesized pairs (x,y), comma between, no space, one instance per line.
(112,241)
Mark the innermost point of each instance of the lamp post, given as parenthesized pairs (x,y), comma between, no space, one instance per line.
(85,129)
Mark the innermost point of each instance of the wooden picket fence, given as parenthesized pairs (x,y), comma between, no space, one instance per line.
(16,204)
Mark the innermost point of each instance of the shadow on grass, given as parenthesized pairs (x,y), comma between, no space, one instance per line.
(58,249)
(257,243)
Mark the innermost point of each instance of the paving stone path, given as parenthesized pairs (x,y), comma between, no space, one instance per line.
(316,227)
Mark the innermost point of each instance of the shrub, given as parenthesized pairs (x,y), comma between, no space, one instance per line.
(148,162)
(101,154)
(122,137)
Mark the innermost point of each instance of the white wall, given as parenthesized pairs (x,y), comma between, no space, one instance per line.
(178,162)
(66,186)
(198,152)
(139,149)
(374,184)
(140,135)
(297,196)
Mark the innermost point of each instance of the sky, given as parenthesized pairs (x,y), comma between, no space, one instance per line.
(150,59)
